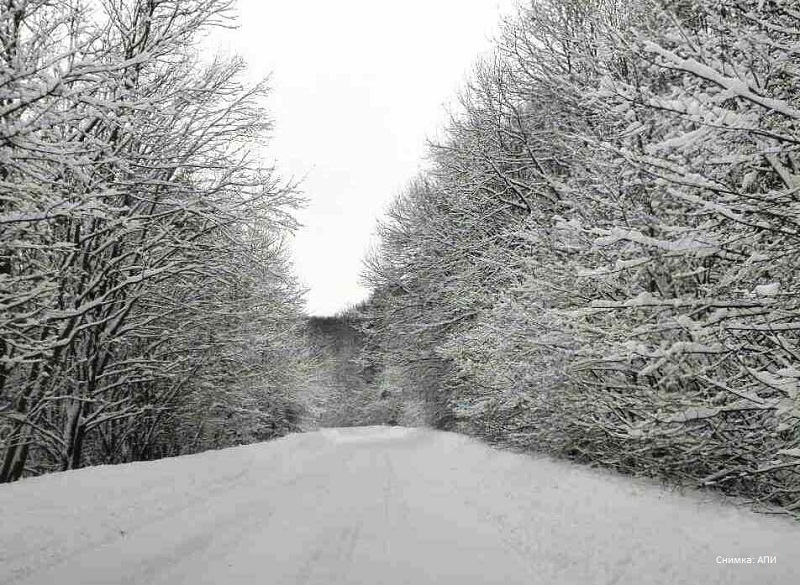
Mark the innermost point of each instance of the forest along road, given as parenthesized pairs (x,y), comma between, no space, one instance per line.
(377,505)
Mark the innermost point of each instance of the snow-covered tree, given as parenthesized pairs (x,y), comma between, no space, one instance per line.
(612,212)
(134,214)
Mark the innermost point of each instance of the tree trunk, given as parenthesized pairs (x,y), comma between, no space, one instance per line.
(74,435)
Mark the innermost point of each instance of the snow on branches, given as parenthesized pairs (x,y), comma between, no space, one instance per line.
(616,209)
(140,258)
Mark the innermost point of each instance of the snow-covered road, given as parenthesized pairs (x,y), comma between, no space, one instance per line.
(376,506)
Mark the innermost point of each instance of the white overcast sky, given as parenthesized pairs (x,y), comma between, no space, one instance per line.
(357,86)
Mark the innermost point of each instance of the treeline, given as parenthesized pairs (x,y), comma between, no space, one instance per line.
(344,390)
(601,259)
(147,307)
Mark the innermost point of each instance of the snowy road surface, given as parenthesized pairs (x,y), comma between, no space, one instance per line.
(376,506)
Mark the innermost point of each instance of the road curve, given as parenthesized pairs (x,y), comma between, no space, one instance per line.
(377,505)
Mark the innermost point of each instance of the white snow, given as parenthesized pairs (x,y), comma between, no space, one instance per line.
(733,85)
(767,290)
(376,506)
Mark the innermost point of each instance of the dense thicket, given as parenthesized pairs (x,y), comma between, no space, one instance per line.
(146,304)
(601,260)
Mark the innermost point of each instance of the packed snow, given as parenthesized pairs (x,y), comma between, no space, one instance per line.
(378,505)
